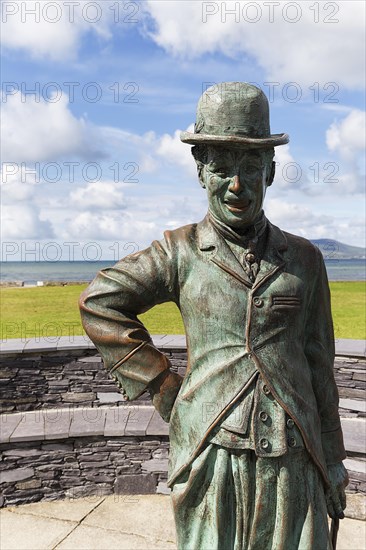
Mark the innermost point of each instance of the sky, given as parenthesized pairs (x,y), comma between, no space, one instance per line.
(95,95)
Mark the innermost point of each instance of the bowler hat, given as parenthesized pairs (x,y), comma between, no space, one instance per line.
(233,114)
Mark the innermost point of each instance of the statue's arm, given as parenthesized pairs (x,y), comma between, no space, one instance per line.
(320,353)
(109,310)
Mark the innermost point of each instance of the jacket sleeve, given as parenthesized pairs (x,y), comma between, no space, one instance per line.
(109,308)
(320,352)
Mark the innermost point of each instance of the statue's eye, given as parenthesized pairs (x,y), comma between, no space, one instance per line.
(251,168)
(219,170)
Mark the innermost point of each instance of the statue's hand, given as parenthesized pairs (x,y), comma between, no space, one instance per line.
(164,392)
(335,494)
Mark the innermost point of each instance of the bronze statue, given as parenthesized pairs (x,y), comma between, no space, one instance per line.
(256,445)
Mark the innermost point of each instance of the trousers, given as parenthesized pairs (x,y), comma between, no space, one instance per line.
(233,500)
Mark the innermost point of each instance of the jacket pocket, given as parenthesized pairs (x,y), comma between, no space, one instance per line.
(280,302)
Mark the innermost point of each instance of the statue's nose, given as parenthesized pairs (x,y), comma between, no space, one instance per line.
(234,186)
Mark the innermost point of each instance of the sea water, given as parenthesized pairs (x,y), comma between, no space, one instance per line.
(81,271)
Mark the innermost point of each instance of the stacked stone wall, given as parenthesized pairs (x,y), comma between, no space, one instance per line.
(76,379)
(75,467)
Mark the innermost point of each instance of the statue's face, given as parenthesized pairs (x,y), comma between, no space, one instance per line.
(236,181)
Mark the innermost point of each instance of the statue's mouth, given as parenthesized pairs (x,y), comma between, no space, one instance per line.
(237,206)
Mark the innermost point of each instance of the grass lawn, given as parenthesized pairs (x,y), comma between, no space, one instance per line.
(53,311)
(349,309)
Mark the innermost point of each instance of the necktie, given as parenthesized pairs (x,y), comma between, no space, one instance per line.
(251,262)
(251,239)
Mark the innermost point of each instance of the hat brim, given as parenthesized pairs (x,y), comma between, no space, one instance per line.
(235,141)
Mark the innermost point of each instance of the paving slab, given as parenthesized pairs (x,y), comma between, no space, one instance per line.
(68,510)
(138,419)
(149,516)
(8,423)
(157,426)
(158,339)
(355,465)
(87,421)
(351,535)
(173,341)
(353,404)
(356,506)
(96,538)
(351,348)
(12,345)
(41,344)
(354,434)
(115,421)
(28,532)
(30,428)
(57,423)
(66,343)
(178,341)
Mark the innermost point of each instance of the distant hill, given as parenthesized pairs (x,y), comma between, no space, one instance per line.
(332,249)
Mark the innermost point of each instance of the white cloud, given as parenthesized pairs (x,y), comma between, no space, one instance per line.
(43,131)
(350,182)
(152,153)
(290,214)
(347,137)
(111,225)
(16,176)
(101,195)
(55,29)
(22,221)
(21,218)
(141,217)
(176,152)
(299,45)
(139,149)
(311,223)
(286,168)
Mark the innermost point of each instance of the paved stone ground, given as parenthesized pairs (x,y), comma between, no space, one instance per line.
(125,522)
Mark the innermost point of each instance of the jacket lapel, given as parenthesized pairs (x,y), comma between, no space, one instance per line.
(212,243)
(272,260)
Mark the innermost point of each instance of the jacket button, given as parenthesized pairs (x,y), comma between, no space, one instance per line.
(292,442)
(266,389)
(263,416)
(264,443)
(258,302)
(290,423)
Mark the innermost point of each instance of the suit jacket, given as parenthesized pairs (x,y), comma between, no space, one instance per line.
(281,326)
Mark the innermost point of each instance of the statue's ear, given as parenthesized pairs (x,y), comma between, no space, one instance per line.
(200,172)
(199,153)
(271,174)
